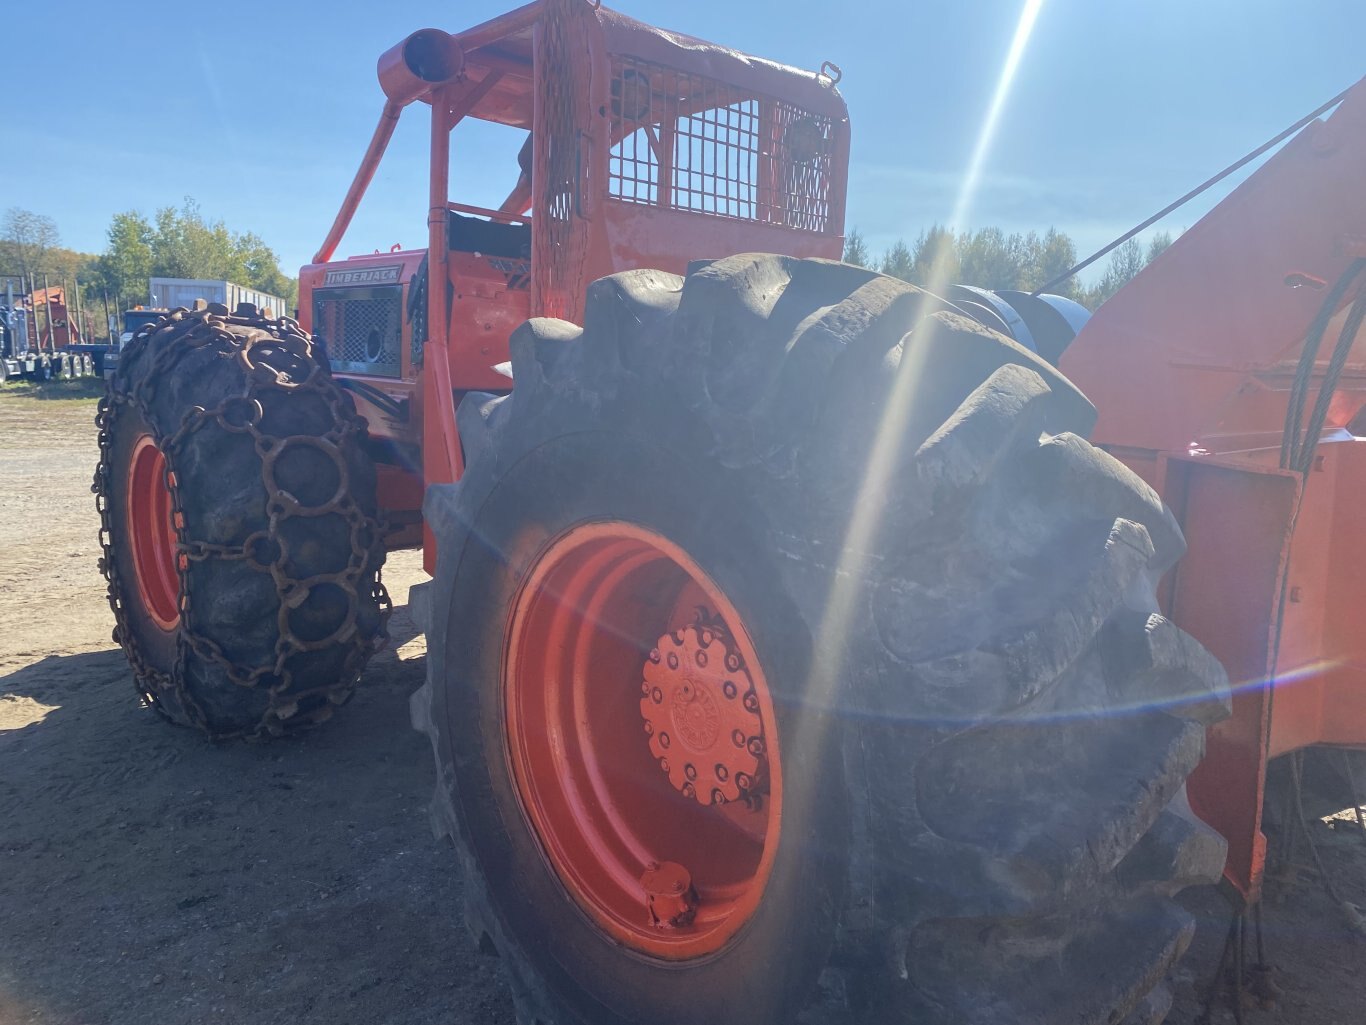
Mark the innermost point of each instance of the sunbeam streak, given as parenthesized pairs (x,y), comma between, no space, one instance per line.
(1023,30)
(885,453)
(967,191)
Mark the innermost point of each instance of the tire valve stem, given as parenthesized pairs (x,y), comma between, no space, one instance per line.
(669,895)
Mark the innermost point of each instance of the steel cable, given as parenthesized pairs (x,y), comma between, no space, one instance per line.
(1292,435)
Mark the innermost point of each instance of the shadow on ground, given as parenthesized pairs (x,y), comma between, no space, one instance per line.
(1314,952)
(147,876)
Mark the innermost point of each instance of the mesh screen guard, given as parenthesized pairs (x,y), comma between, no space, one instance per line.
(361,328)
(693,143)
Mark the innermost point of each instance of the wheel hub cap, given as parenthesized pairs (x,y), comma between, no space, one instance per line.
(702,715)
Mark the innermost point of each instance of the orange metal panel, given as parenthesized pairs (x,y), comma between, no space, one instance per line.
(490,297)
(642,236)
(1225,592)
(1162,359)
(1335,512)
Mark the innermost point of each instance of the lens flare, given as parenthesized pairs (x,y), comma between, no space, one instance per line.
(973,176)
(884,454)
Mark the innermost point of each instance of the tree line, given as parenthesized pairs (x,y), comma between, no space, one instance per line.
(180,242)
(990,258)
(176,242)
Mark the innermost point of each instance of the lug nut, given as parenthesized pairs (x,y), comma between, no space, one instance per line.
(717,797)
(690,771)
(705,637)
(664,740)
(649,727)
(732,662)
(664,764)
(657,696)
(728,689)
(722,773)
(737,737)
(751,702)
(673,660)
(755,746)
(743,781)
(701,658)
(689,790)
(655,656)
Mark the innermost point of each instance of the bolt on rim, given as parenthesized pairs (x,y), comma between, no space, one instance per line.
(641,734)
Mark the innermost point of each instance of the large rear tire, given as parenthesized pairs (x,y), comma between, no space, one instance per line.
(239,524)
(970,776)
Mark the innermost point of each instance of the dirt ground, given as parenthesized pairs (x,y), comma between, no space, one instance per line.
(147,876)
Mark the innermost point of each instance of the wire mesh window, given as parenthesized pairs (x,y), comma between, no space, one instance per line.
(361,329)
(694,143)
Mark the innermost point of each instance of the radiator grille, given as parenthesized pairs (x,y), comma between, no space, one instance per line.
(361,329)
(694,143)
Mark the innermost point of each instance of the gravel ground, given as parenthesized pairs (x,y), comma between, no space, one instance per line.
(147,876)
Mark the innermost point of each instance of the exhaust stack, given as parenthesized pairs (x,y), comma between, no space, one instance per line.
(427,58)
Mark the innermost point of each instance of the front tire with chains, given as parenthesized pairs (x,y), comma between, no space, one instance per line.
(271,560)
(973,585)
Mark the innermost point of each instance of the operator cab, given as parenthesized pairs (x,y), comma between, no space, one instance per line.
(505,233)
(635,148)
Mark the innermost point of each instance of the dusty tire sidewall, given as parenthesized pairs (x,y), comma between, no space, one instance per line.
(788,940)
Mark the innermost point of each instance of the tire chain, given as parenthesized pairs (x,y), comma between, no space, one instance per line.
(174,335)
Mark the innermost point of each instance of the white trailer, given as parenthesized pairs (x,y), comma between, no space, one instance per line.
(172,292)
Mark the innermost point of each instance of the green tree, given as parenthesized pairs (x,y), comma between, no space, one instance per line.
(989,258)
(856,250)
(934,259)
(897,261)
(1124,264)
(263,269)
(1056,255)
(126,265)
(1157,245)
(182,243)
(26,242)
(185,245)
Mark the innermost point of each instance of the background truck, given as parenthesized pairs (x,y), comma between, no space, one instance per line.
(65,331)
(132,320)
(18,357)
(36,340)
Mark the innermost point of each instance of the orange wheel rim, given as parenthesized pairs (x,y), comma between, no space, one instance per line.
(152,534)
(642,739)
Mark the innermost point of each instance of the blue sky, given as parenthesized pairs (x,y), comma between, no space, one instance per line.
(260,111)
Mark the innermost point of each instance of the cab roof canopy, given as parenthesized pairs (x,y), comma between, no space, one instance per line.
(503,46)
